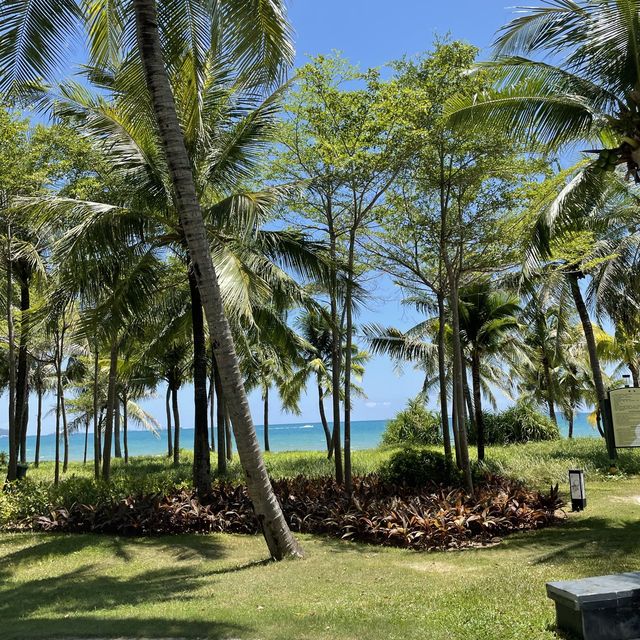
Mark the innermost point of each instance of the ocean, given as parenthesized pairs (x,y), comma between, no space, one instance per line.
(300,436)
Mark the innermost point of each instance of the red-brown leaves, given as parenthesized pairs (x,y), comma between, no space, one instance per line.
(436,518)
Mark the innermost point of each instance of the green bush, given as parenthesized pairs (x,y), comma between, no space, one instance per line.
(415,425)
(520,423)
(416,467)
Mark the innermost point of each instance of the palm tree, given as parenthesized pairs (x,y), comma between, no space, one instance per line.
(256,46)
(487,322)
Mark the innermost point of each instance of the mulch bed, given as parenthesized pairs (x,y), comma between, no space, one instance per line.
(376,513)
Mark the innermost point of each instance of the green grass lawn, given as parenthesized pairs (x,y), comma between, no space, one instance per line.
(219,586)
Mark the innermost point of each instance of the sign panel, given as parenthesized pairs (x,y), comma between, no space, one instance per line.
(625,415)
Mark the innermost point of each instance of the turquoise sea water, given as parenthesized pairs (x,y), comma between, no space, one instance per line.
(282,437)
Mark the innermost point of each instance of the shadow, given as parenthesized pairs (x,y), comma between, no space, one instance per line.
(94,627)
(54,605)
(591,541)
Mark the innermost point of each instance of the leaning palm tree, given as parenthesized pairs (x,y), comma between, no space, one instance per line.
(255,36)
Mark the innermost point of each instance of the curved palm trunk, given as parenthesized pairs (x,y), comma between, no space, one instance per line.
(278,537)
(587,327)
(442,374)
(176,426)
(477,402)
(201,460)
(266,418)
(167,401)
(38,423)
(335,377)
(111,408)
(634,374)
(323,420)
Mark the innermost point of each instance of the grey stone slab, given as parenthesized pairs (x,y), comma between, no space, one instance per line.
(611,589)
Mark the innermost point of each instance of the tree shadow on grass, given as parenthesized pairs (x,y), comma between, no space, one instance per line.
(26,605)
(590,541)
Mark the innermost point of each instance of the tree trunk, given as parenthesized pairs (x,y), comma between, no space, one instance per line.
(227,433)
(58,364)
(117,442)
(266,419)
(96,419)
(458,386)
(454,423)
(65,431)
(323,419)
(176,426)
(201,457)
(22,377)
(477,402)
(470,413)
(212,407)
(548,382)
(38,422)
(167,401)
(336,358)
(86,440)
(442,373)
(278,537)
(348,482)
(111,408)
(125,425)
(587,327)
(12,470)
(571,414)
(220,422)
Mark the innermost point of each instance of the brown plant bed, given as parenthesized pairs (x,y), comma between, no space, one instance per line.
(377,513)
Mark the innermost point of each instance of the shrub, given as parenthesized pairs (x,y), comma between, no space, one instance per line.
(415,425)
(417,467)
(376,512)
(520,423)
(4,459)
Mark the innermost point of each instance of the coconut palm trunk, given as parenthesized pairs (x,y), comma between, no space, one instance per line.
(594,361)
(549,382)
(323,420)
(176,425)
(477,402)
(111,409)
(279,539)
(117,442)
(266,418)
(58,359)
(220,421)
(96,419)
(13,440)
(201,459)
(36,461)
(212,408)
(86,440)
(22,376)
(125,425)
(167,401)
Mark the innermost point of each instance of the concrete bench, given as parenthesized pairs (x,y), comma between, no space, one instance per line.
(602,608)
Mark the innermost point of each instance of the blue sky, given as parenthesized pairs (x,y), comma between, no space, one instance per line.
(369,33)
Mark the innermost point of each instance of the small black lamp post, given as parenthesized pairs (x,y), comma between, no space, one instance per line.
(578,493)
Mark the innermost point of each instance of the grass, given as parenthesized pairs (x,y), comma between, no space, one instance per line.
(538,464)
(220,586)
